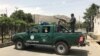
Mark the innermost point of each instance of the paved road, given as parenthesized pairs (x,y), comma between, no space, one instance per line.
(40,51)
(92,50)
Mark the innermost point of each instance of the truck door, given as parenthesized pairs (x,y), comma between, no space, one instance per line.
(46,35)
(34,35)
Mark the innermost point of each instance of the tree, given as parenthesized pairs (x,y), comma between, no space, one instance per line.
(19,25)
(20,15)
(5,24)
(28,18)
(21,20)
(6,21)
(3,15)
(89,15)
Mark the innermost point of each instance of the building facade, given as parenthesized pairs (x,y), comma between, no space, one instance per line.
(97,24)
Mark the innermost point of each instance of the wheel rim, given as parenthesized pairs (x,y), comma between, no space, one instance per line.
(19,45)
(61,48)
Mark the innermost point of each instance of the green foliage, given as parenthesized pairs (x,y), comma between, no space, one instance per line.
(6,21)
(4,15)
(89,16)
(19,22)
(85,24)
(91,11)
(11,21)
(20,15)
(31,25)
(78,25)
(28,18)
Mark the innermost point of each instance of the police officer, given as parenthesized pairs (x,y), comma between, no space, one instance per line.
(72,23)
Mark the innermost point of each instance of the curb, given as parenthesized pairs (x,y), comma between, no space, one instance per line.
(6,44)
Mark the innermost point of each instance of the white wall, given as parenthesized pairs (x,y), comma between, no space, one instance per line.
(97,25)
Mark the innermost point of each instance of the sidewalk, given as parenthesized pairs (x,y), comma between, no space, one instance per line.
(94,48)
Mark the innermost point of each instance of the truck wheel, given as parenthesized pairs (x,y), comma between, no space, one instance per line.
(19,45)
(61,48)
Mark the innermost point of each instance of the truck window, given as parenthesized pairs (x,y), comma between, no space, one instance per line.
(34,30)
(46,29)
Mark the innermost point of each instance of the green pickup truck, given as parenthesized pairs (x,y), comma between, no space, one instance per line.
(48,35)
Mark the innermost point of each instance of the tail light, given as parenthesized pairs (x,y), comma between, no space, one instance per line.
(81,39)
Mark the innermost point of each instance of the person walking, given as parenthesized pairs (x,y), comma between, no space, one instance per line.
(72,22)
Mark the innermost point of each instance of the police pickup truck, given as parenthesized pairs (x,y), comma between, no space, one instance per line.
(48,35)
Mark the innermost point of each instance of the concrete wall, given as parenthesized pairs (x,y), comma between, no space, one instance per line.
(97,25)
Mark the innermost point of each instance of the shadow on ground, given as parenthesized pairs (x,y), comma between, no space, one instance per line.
(98,43)
(50,50)
(77,52)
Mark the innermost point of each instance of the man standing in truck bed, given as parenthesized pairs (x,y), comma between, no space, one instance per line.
(72,23)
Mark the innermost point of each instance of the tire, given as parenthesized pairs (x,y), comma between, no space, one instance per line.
(19,45)
(61,48)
